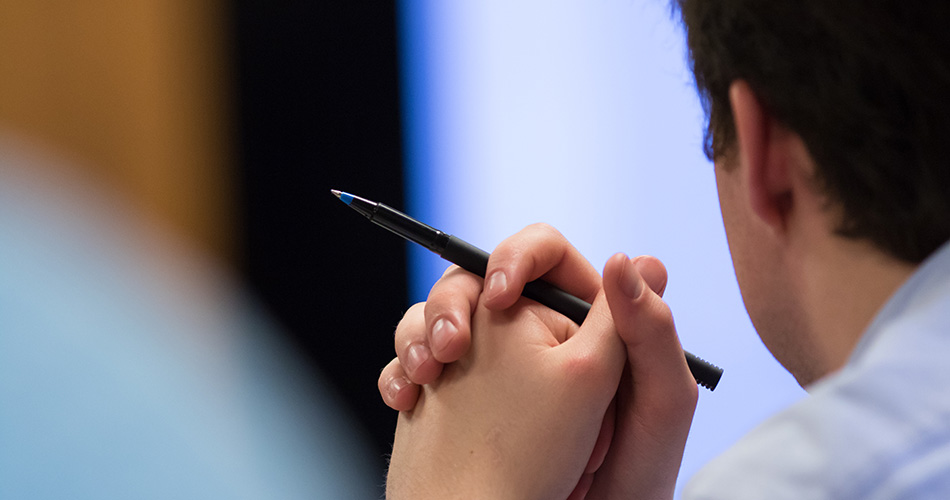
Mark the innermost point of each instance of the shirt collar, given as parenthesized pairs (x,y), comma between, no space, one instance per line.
(934,271)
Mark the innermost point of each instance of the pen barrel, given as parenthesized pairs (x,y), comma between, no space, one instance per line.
(405,226)
(475,261)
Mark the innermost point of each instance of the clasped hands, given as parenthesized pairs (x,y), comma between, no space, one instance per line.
(500,397)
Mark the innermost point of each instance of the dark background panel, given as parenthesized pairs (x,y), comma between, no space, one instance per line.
(317,103)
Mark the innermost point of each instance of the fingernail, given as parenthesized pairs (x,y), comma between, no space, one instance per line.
(630,282)
(415,356)
(496,284)
(395,385)
(443,331)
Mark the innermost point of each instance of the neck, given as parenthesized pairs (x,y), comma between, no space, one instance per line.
(845,283)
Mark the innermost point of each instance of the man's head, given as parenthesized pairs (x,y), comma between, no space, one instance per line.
(865,85)
(826,120)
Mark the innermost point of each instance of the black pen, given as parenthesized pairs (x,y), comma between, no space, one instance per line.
(475,260)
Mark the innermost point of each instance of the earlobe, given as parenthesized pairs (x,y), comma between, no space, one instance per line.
(760,147)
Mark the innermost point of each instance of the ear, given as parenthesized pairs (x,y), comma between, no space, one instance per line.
(762,145)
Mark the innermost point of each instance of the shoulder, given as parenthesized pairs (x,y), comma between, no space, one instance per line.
(880,428)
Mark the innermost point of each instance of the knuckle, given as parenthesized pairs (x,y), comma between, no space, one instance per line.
(413,311)
(663,314)
(542,233)
(532,235)
(411,317)
(535,244)
(649,321)
(410,324)
(442,293)
(454,285)
(691,396)
(543,229)
(455,306)
(449,271)
(583,367)
(678,403)
(655,312)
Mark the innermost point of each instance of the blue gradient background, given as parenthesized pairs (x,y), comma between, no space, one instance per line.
(582,115)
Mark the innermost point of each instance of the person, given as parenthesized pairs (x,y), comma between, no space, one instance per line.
(132,365)
(826,125)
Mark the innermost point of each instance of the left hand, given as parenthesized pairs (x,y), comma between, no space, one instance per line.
(518,415)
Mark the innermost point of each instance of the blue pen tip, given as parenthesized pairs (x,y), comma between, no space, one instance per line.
(343,196)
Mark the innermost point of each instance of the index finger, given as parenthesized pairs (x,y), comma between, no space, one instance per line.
(537,251)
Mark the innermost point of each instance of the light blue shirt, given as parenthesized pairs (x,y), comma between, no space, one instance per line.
(133,368)
(877,429)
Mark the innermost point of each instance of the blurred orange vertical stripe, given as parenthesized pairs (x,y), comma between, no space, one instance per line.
(137,93)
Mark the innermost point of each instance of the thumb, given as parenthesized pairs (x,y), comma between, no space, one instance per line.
(645,324)
(656,397)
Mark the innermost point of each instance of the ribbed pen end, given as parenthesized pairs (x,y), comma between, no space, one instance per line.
(705,373)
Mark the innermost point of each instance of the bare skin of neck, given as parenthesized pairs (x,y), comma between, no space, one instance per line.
(844,284)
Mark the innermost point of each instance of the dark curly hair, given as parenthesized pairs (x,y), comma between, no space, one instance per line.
(865,84)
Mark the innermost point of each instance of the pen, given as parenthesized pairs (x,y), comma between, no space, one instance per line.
(475,260)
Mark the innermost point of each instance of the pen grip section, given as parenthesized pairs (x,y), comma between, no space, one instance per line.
(465,255)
